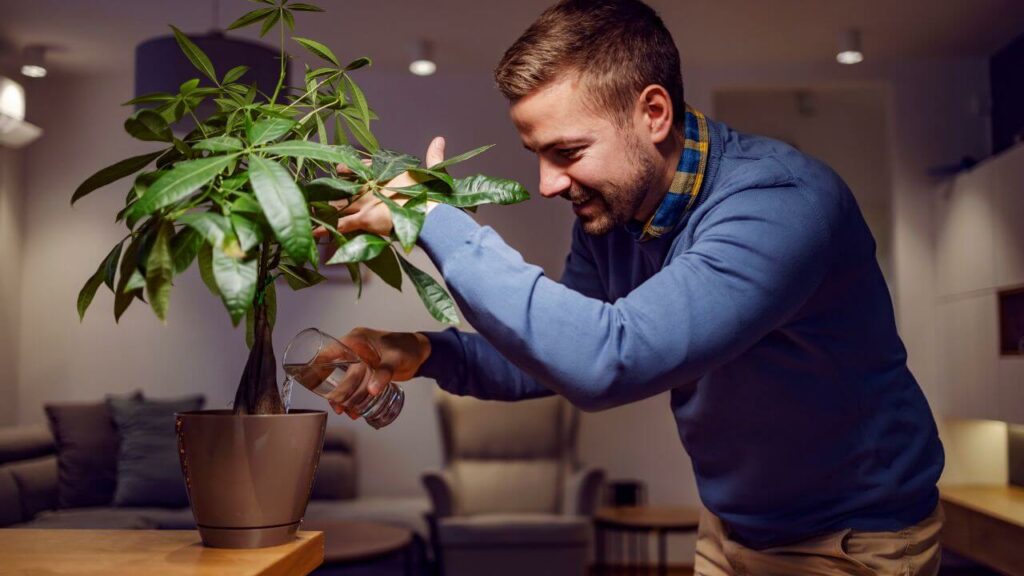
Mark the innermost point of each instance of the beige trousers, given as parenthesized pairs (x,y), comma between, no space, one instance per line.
(913,551)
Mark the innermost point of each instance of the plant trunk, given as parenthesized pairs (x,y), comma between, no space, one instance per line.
(257,391)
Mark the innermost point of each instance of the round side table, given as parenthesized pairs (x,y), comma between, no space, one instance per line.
(635,523)
(347,543)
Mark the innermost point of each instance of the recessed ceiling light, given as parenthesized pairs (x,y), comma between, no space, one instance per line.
(849,47)
(33,64)
(423,59)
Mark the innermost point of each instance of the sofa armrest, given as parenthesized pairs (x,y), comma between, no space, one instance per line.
(582,492)
(442,496)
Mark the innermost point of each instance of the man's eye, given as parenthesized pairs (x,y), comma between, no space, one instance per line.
(569,153)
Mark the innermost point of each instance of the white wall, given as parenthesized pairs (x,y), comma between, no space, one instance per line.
(10,279)
(60,359)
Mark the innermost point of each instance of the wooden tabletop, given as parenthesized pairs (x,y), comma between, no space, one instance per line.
(649,517)
(1001,501)
(143,552)
(349,542)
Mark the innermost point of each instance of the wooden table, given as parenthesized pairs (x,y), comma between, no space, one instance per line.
(142,552)
(350,543)
(638,521)
(986,524)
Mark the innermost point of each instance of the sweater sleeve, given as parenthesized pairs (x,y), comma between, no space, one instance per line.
(757,256)
(464,363)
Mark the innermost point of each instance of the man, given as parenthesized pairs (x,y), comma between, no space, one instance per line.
(729,269)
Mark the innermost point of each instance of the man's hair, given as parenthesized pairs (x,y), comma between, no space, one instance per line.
(618,48)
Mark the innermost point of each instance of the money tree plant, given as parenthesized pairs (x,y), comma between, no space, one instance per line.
(241,192)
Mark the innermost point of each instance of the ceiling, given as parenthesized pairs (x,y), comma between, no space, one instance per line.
(91,36)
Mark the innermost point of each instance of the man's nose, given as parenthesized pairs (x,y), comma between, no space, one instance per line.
(553,179)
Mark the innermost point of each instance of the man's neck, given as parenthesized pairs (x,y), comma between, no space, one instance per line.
(669,152)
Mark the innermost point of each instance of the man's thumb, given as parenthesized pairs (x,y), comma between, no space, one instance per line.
(435,152)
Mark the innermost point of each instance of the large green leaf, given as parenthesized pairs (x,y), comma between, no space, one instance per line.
(480,189)
(124,294)
(148,126)
(387,164)
(178,183)
(219,144)
(360,100)
(407,220)
(318,49)
(299,277)
(358,63)
(114,172)
(248,232)
(235,73)
(206,268)
(362,134)
(343,154)
(461,157)
(437,300)
(283,205)
(101,275)
(184,248)
(196,56)
(160,271)
(236,280)
(386,266)
(269,129)
(327,189)
(359,249)
(250,18)
(428,174)
(214,227)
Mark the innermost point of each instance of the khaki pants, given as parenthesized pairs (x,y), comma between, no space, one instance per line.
(913,551)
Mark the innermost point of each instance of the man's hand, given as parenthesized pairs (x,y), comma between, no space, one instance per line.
(394,356)
(369,214)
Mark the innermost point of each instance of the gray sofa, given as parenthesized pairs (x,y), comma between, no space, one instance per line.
(28,491)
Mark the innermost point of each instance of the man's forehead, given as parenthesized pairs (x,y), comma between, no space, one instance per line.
(554,115)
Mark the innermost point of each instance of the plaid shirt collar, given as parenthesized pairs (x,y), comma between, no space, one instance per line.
(682,194)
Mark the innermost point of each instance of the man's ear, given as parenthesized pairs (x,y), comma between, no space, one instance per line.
(655,113)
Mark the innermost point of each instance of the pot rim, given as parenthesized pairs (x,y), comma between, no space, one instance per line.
(221,413)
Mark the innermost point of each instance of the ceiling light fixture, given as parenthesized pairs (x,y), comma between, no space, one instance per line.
(423,59)
(14,131)
(33,61)
(849,47)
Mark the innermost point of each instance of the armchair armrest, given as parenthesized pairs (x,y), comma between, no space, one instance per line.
(439,488)
(582,492)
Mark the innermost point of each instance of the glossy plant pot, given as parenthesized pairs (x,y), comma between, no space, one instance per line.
(249,477)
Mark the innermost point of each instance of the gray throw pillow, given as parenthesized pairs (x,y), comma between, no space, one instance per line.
(148,467)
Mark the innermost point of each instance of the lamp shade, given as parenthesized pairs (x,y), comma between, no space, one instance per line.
(160,65)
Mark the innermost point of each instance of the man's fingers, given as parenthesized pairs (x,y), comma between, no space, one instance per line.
(435,152)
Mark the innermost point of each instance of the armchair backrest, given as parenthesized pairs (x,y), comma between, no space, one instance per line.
(508,456)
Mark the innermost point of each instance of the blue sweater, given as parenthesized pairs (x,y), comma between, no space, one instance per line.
(764,312)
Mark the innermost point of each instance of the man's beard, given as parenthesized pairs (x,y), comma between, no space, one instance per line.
(617,203)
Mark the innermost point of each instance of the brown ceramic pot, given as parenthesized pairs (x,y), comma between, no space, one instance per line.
(249,477)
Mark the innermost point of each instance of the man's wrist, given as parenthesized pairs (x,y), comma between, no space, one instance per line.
(424,349)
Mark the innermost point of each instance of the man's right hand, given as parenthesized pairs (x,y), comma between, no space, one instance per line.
(394,356)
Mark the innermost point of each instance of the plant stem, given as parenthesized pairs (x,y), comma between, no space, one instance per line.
(280,78)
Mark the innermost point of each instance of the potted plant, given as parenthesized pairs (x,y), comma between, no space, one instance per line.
(240,194)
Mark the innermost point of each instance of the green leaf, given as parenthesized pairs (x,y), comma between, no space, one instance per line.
(386,266)
(113,173)
(339,132)
(480,189)
(148,126)
(236,280)
(135,282)
(359,249)
(248,232)
(440,175)
(196,56)
(299,277)
(346,155)
(301,7)
(123,295)
(250,18)
(461,157)
(437,300)
(150,98)
(283,205)
(235,73)
(206,269)
(188,86)
(269,22)
(289,19)
(318,49)
(387,164)
(178,183)
(358,63)
(362,134)
(269,129)
(219,144)
(184,248)
(327,189)
(247,203)
(360,99)
(102,274)
(160,271)
(213,227)
(407,220)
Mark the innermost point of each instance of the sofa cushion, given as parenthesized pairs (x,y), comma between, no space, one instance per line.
(514,530)
(110,518)
(148,466)
(24,442)
(37,484)
(518,486)
(87,445)
(10,499)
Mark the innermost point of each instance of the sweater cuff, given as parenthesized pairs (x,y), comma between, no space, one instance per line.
(445,358)
(445,231)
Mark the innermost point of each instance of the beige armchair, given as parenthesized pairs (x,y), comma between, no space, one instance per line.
(512,498)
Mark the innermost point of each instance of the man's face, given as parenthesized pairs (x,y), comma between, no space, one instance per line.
(602,168)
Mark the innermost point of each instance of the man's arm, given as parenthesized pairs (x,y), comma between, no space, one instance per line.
(757,257)
(465,363)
